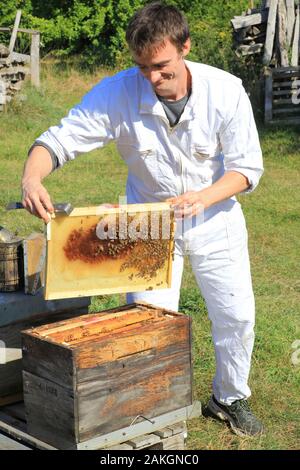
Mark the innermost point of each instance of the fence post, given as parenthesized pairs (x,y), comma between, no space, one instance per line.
(14,31)
(35,59)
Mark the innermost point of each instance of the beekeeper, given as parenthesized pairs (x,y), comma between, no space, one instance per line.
(187,133)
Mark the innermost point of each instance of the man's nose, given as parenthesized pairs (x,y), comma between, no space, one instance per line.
(153,76)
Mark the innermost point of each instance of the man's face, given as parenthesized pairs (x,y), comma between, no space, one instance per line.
(165,69)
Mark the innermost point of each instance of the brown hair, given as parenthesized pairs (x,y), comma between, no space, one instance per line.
(152,24)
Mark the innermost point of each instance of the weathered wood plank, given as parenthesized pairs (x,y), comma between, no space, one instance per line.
(282,33)
(295,46)
(163,387)
(141,428)
(50,411)
(8,399)
(268,96)
(14,31)
(35,59)
(17,410)
(283,84)
(144,441)
(17,429)
(271,27)
(165,334)
(279,102)
(294,109)
(176,442)
(249,20)
(44,359)
(34,247)
(6,443)
(290,4)
(248,50)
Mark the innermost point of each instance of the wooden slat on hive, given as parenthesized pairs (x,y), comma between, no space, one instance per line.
(16,429)
(6,443)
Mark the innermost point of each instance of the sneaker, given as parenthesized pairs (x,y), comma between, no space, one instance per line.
(241,419)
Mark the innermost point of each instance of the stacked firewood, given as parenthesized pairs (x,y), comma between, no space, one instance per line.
(271,31)
(13,70)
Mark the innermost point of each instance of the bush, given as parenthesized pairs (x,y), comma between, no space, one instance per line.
(96,29)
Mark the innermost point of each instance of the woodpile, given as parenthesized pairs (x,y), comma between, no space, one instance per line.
(14,66)
(13,71)
(271,31)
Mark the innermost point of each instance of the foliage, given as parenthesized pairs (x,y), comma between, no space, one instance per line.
(96,28)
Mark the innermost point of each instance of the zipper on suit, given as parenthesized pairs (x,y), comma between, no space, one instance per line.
(170,131)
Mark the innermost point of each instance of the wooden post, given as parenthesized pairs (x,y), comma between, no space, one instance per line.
(295,48)
(268,96)
(270,32)
(290,20)
(282,33)
(35,59)
(14,31)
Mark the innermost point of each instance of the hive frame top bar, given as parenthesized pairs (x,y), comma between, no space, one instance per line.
(130,208)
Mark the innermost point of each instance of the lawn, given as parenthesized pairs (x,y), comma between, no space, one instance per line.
(273,219)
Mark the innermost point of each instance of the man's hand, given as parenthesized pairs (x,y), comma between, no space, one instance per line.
(188,204)
(193,202)
(36,199)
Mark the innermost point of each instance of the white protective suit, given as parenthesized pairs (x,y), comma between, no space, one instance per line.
(215,134)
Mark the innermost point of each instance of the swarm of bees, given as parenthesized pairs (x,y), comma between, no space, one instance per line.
(139,251)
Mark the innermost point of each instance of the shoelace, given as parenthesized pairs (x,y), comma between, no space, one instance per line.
(241,404)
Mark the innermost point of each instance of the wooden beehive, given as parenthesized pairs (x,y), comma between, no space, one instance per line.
(98,373)
(135,256)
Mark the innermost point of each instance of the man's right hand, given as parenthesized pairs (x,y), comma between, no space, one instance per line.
(36,200)
(35,197)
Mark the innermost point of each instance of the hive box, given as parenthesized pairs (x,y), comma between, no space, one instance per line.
(99,251)
(97,373)
(19,312)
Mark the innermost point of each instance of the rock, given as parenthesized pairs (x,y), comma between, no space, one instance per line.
(4,51)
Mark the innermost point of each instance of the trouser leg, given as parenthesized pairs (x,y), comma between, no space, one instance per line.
(225,282)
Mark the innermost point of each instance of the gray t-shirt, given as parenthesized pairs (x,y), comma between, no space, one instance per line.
(174,109)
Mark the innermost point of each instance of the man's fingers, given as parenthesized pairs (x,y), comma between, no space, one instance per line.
(35,207)
(40,210)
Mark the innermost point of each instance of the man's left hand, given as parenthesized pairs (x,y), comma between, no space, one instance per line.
(188,204)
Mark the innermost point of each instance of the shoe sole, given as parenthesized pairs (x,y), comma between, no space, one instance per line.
(223,416)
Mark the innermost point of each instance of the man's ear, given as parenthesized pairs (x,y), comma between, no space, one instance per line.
(186,47)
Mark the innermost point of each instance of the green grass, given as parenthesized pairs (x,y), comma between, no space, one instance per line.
(273,218)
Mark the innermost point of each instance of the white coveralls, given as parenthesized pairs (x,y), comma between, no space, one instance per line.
(215,134)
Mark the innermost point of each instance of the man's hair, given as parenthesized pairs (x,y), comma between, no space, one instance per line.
(153,24)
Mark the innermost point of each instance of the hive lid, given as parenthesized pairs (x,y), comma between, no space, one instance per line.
(98,250)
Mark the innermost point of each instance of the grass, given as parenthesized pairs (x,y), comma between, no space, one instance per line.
(273,218)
